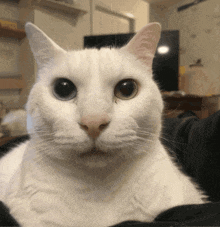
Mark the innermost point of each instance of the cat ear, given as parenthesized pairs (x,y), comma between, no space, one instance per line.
(43,48)
(144,44)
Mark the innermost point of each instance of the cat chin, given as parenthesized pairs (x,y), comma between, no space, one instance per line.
(95,163)
(94,152)
(95,158)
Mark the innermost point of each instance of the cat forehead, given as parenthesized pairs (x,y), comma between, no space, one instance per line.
(95,59)
(107,64)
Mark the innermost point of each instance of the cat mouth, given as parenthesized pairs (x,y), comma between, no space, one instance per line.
(94,152)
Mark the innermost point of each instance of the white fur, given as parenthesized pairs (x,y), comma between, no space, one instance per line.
(54,181)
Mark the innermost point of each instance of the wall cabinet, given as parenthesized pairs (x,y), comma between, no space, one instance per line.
(11,83)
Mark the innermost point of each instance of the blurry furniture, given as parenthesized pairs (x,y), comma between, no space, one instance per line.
(2,110)
(10,30)
(203,106)
(4,140)
(74,8)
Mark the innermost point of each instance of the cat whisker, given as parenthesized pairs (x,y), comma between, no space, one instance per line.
(174,143)
(125,135)
(159,136)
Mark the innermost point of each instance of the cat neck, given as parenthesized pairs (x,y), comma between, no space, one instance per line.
(71,170)
(123,179)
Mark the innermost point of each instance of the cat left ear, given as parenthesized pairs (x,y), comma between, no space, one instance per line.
(144,44)
(44,49)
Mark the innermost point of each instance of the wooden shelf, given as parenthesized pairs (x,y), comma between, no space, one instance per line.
(11,84)
(9,1)
(162,2)
(12,33)
(4,140)
(61,6)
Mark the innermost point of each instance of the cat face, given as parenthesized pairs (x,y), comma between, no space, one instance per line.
(95,104)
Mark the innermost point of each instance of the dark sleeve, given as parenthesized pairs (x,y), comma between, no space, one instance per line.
(196,145)
(175,136)
(188,215)
(203,157)
(12,143)
(5,218)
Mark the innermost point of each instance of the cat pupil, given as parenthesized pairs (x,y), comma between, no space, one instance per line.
(126,88)
(64,89)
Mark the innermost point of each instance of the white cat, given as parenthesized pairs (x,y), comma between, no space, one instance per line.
(94,157)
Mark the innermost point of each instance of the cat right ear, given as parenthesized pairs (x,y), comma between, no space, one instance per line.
(144,44)
(44,49)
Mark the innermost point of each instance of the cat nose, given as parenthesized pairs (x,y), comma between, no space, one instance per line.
(94,124)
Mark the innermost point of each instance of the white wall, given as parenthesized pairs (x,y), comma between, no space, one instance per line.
(139,8)
(199,28)
(67,30)
(9,57)
(109,24)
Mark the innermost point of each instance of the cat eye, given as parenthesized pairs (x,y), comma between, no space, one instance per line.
(126,89)
(64,89)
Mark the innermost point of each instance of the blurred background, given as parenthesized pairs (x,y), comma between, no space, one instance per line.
(67,22)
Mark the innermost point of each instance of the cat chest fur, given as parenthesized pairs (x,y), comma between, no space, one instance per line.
(39,198)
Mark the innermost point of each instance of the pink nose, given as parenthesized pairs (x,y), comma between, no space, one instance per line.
(94,124)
